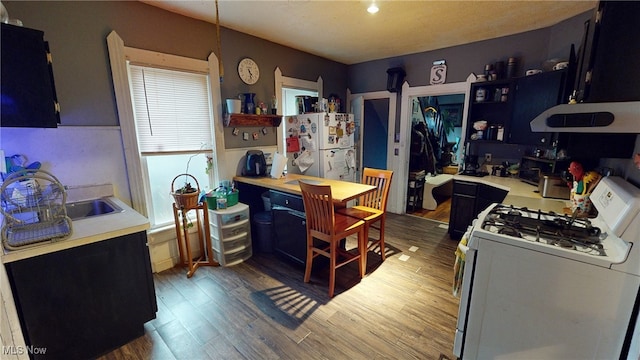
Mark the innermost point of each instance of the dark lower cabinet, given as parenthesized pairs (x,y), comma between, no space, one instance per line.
(82,302)
(462,213)
(468,200)
(289,227)
(463,200)
(290,230)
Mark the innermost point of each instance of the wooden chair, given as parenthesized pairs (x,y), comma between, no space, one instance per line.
(372,207)
(328,227)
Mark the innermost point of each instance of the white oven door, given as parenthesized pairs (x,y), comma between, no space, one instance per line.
(526,304)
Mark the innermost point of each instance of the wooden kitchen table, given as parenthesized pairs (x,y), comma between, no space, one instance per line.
(288,221)
(342,191)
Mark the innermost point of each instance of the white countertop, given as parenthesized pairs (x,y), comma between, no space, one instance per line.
(520,194)
(87,231)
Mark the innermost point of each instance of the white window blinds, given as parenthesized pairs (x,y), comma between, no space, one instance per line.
(171,110)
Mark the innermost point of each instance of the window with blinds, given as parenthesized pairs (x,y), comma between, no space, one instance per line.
(171,110)
(173,122)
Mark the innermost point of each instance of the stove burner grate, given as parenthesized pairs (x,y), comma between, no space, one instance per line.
(508,230)
(548,227)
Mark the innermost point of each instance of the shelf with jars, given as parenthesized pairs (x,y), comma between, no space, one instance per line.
(490,109)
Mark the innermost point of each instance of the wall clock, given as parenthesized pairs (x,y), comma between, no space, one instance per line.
(248,71)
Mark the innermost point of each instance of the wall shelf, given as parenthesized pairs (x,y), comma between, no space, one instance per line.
(252,120)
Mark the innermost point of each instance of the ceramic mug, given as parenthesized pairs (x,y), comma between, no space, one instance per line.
(234,106)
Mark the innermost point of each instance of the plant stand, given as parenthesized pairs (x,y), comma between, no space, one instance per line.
(204,237)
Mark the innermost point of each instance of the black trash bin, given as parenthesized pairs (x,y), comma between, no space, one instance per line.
(266,200)
(263,236)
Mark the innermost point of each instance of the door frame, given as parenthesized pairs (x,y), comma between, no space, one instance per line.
(408,94)
(295,83)
(391,145)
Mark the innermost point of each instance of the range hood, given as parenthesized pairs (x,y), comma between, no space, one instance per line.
(605,117)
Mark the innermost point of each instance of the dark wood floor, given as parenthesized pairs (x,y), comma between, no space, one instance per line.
(441,213)
(262,309)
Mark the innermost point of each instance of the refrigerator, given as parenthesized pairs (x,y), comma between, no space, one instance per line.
(322,145)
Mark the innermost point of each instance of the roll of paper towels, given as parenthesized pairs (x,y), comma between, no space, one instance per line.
(278,165)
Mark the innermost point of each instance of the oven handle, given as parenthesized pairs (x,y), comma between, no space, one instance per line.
(463,248)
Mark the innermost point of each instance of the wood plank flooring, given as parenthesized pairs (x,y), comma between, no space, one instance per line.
(441,213)
(262,309)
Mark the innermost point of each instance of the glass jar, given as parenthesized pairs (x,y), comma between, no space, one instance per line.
(481,94)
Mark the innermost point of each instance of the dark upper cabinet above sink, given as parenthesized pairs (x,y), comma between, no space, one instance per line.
(28,91)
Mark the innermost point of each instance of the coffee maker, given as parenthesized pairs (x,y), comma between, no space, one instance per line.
(470,164)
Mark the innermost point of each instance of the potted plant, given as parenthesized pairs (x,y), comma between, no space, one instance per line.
(185,197)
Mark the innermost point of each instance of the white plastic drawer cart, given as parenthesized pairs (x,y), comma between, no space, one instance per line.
(230,231)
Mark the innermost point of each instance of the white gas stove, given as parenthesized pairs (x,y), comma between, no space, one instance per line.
(581,239)
(531,278)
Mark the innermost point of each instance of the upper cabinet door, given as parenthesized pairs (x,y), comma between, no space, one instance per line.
(533,95)
(28,92)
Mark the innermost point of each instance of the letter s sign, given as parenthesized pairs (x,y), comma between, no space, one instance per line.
(438,74)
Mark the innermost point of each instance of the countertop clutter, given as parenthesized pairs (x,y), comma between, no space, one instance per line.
(519,193)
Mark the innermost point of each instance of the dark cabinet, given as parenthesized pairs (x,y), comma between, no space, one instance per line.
(468,200)
(512,104)
(289,227)
(462,210)
(82,302)
(609,57)
(533,95)
(486,196)
(28,91)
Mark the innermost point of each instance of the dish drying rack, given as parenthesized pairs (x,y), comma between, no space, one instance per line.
(33,207)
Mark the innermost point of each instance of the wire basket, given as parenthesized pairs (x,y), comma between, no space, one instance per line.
(185,200)
(33,209)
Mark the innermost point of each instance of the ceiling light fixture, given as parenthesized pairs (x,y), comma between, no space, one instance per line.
(372,9)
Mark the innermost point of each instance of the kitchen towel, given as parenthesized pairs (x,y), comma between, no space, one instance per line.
(458,266)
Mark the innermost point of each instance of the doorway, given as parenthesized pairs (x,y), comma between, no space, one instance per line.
(412,96)
(436,123)
(375,127)
(374,114)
